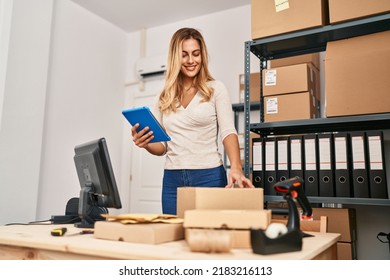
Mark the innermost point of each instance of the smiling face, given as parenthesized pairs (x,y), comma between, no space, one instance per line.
(191,58)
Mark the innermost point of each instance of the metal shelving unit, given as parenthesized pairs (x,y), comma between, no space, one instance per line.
(361,122)
(303,42)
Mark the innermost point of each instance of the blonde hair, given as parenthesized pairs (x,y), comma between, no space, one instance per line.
(170,96)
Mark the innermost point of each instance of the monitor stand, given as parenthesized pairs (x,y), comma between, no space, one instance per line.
(89,211)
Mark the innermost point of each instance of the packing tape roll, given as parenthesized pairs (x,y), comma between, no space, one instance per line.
(209,240)
(275,230)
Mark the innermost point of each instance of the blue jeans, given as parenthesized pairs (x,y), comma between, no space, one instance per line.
(210,177)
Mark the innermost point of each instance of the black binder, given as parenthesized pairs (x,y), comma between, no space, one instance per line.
(310,145)
(360,180)
(270,165)
(257,162)
(342,151)
(326,165)
(376,167)
(296,156)
(283,160)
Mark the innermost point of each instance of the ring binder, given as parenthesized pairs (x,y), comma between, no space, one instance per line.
(326,165)
(376,165)
(283,160)
(270,166)
(257,162)
(342,164)
(296,156)
(359,165)
(311,164)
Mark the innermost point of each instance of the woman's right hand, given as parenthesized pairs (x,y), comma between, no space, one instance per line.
(143,137)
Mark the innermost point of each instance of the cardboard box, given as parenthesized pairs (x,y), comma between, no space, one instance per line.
(342,10)
(294,106)
(241,239)
(346,251)
(357,75)
(290,79)
(313,58)
(340,220)
(227,219)
(270,17)
(151,233)
(254,87)
(189,198)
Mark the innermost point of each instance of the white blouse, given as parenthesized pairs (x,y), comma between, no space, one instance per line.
(194,130)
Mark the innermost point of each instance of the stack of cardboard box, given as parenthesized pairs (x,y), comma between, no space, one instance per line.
(233,210)
(355,69)
(291,89)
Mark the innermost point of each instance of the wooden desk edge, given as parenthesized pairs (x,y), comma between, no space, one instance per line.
(20,243)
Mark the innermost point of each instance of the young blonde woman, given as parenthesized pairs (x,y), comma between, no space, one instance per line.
(195,110)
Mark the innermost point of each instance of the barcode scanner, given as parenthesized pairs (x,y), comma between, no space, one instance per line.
(292,189)
(279,238)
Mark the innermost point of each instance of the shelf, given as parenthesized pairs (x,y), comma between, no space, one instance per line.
(315,39)
(239,107)
(352,123)
(304,42)
(339,200)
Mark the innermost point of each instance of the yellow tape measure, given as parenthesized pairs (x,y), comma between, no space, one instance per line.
(58,231)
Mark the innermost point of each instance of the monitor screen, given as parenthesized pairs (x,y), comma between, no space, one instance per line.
(97,181)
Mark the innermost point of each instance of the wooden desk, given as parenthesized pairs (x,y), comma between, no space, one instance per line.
(35,242)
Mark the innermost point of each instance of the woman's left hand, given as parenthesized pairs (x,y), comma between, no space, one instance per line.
(238,180)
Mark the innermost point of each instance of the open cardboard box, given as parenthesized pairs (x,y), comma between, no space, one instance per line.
(189,198)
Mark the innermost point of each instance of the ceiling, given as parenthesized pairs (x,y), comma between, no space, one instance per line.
(134,15)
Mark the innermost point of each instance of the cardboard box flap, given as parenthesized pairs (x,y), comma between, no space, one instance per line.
(218,198)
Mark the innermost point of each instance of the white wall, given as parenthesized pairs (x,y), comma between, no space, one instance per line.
(84,100)
(5,28)
(23,109)
(64,86)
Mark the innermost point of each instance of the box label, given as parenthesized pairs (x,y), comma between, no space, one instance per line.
(341,152)
(359,161)
(374,143)
(325,162)
(281,5)
(272,105)
(270,77)
(257,156)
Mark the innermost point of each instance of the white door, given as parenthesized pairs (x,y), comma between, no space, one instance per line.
(146,169)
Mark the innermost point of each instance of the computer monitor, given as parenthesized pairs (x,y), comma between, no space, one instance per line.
(97,181)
